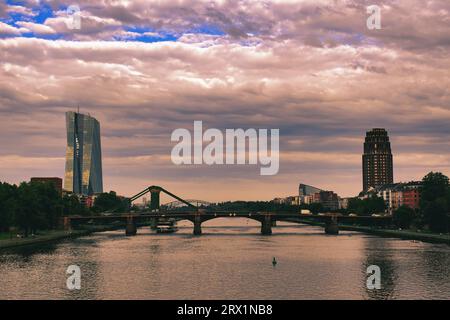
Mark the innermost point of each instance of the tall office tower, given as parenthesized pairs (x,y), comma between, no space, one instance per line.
(377,159)
(84,155)
(305,190)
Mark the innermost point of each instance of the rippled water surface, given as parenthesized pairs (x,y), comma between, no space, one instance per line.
(231,260)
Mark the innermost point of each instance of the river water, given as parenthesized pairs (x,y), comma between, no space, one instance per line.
(231,260)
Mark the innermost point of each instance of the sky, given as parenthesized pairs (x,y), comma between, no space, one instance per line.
(310,68)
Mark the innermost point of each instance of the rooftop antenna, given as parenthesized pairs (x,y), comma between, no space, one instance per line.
(78,108)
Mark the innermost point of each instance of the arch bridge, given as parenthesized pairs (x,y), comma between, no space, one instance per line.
(197,216)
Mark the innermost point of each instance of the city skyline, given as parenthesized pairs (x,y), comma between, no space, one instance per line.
(311,69)
(224,157)
(70,128)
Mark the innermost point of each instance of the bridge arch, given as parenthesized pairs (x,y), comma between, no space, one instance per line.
(178,204)
(198,219)
(251,217)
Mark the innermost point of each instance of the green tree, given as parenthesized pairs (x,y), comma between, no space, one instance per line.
(72,206)
(29,206)
(435,201)
(368,206)
(109,202)
(28,217)
(435,215)
(403,217)
(7,205)
(50,206)
(376,205)
(354,205)
(315,207)
(37,206)
(434,185)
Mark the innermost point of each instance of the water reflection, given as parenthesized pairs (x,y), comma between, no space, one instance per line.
(380,253)
(436,270)
(231,260)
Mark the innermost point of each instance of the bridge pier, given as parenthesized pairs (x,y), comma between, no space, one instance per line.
(266,225)
(331,226)
(153,223)
(130,229)
(197,225)
(67,225)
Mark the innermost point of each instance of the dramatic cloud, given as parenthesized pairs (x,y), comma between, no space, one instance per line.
(309,68)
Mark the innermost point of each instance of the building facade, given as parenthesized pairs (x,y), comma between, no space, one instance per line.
(396,195)
(83,174)
(292,200)
(328,199)
(411,194)
(343,203)
(57,182)
(377,160)
(389,193)
(304,190)
(306,193)
(411,198)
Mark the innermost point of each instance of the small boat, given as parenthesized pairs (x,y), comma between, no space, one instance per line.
(166,229)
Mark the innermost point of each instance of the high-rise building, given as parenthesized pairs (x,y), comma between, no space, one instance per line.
(84,155)
(377,159)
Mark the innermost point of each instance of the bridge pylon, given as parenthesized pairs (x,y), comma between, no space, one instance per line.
(154,198)
(131,229)
(331,226)
(266,225)
(197,224)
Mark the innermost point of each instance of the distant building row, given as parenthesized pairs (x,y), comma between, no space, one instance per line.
(309,194)
(328,199)
(396,195)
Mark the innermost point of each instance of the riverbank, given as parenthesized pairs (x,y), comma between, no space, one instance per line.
(58,235)
(53,235)
(402,234)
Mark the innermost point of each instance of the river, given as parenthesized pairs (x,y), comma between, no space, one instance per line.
(231,260)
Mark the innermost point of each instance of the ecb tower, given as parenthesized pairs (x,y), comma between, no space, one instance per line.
(83,173)
(377,159)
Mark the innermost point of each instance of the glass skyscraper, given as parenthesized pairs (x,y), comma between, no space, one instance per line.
(84,155)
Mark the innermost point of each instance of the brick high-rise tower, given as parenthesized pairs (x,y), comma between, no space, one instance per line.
(377,159)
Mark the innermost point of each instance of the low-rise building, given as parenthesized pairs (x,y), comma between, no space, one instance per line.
(397,194)
(292,200)
(328,199)
(306,193)
(343,203)
(57,182)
